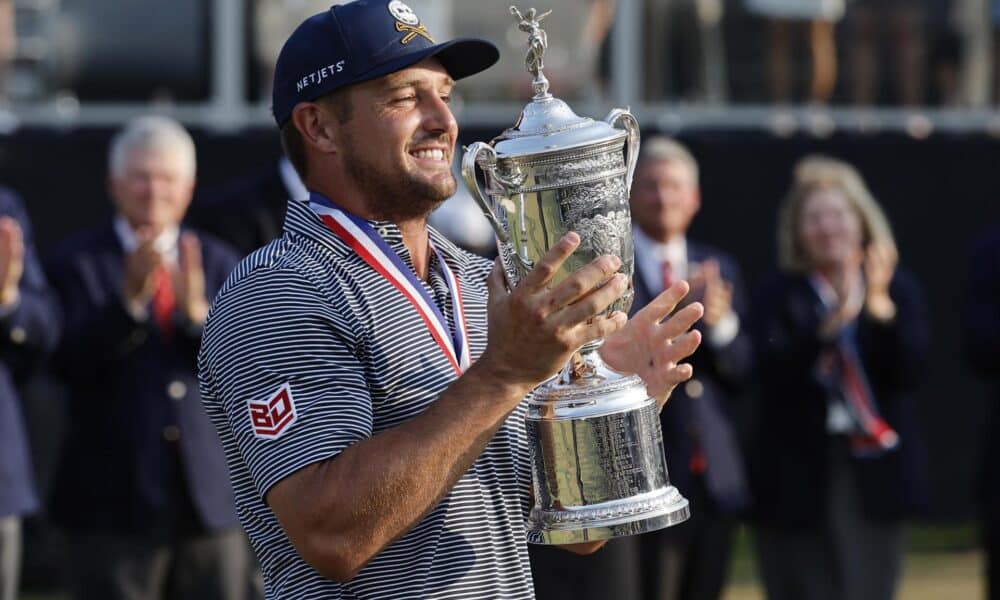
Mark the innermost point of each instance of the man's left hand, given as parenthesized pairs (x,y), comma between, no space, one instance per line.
(190,281)
(652,347)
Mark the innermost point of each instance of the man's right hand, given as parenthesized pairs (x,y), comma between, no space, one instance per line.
(534,330)
(140,266)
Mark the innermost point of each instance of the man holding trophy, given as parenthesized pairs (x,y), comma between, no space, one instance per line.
(371,382)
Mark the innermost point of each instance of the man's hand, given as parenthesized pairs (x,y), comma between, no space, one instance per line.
(715,292)
(189,281)
(653,347)
(140,268)
(534,330)
(11,260)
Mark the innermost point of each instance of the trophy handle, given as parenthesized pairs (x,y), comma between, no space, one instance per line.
(488,164)
(631,142)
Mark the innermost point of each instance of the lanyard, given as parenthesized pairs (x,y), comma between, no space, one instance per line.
(366,243)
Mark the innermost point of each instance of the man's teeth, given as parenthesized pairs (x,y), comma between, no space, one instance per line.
(432,154)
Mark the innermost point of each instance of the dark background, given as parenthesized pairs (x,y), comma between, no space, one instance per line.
(937,192)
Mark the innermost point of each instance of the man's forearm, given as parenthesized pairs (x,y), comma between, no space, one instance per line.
(349,508)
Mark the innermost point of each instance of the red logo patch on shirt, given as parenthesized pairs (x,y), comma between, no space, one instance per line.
(272,417)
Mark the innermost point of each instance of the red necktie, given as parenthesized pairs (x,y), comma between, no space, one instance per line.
(668,274)
(164,301)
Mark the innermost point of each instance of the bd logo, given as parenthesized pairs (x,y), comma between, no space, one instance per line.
(272,417)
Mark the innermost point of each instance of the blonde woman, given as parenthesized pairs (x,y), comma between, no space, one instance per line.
(841,335)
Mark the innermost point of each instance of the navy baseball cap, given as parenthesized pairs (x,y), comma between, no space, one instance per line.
(360,41)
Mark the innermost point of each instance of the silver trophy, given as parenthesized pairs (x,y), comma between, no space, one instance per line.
(596,445)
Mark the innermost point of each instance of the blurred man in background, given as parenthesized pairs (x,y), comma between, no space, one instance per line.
(143,490)
(703,458)
(29,327)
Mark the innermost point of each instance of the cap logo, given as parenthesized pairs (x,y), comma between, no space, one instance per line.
(407,21)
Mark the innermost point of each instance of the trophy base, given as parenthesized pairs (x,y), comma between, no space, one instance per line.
(638,514)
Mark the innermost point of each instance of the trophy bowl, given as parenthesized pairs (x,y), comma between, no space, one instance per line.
(598,469)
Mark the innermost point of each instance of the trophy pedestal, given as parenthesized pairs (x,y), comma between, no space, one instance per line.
(598,468)
(619,518)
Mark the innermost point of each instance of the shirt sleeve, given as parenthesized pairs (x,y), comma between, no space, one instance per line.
(280,365)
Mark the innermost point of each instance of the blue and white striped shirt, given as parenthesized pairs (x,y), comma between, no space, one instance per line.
(307,313)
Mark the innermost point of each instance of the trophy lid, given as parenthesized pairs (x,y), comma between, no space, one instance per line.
(547,124)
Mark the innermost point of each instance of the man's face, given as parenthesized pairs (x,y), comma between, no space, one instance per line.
(830,229)
(399,143)
(664,198)
(154,190)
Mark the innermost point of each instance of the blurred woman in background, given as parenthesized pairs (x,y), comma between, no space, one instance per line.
(842,335)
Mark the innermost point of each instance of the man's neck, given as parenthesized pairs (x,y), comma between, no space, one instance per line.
(414,230)
(415,238)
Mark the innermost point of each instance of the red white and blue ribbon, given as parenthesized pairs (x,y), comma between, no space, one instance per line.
(366,243)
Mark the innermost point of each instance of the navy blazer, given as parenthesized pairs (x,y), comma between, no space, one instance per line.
(789,460)
(982,344)
(129,386)
(27,334)
(699,410)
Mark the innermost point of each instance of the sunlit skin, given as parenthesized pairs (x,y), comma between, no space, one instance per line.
(664,199)
(392,159)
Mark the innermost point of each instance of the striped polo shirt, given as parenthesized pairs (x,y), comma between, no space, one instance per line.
(308,350)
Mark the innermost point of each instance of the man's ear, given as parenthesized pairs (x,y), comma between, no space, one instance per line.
(318,128)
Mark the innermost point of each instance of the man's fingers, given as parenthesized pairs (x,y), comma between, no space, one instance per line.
(602,327)
(681,372)
(593,303)
(682,320)
(665,303)
(495,283)
(583,282)
(548,265)
(683,346)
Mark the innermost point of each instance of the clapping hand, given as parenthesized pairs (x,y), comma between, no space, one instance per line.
(189,280)
(140,270)
(11,260)
(880,265)
(715,292)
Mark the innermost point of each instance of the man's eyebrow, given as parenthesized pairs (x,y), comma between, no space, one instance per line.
(398,85)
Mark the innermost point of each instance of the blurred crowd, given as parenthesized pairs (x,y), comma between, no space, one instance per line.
(907,53)
(829,348)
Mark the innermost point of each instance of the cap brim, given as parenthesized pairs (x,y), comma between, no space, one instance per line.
(461,57)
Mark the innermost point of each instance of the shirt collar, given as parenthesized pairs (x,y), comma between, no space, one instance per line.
(293,183)
(302,220)
(165,243)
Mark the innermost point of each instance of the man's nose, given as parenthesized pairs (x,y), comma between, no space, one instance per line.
(439,116)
